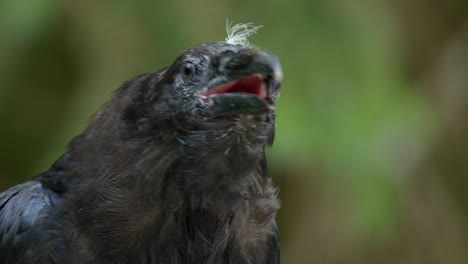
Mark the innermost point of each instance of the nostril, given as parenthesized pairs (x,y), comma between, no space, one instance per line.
(238,63)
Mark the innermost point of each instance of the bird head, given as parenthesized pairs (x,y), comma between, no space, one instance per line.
(219,81)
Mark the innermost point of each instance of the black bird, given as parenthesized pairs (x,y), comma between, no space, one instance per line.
(171,170)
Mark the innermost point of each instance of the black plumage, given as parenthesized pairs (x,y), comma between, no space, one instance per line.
(171,170)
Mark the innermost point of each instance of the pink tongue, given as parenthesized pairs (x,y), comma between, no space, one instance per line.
(250,84)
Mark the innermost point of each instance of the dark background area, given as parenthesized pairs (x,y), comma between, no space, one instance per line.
(371,152)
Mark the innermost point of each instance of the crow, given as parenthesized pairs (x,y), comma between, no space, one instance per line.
(171,170)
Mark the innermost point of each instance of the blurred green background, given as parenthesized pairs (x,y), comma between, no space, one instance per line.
(371,152)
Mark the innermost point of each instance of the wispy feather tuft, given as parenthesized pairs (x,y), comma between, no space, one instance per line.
(238,34)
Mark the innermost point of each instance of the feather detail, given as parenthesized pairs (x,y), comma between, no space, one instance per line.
(238,34)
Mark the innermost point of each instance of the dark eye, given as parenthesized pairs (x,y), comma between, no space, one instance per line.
(189,69)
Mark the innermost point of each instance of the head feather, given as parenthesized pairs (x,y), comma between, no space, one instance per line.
(238,34)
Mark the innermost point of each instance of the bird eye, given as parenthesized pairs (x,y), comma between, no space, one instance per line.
(189,69)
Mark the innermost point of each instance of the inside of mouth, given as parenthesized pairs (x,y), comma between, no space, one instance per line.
(249,84)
